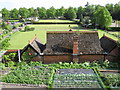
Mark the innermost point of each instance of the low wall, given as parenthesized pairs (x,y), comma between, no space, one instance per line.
(57,58)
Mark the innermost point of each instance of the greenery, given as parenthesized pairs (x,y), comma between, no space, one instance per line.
(102,17)
(27,28)
(70,13)
(111,79)
(37,75)
(4,44)
(40,31)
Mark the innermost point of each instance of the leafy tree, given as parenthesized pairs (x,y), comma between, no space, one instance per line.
(103,17)
(71,13)
(14,13)
(24,13)
(62,11)
(42,12)
(31,12)
(116,12)
(80,13)
(51,12)
(5,14)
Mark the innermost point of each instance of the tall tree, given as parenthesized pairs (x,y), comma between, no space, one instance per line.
(80,13)
(102,17)
(14,13)
(31,12)
(42,12)
(62,11)
(5,14)
(71,13)
(24,12)
(51,12)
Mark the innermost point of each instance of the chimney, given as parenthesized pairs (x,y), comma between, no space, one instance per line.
(75,49)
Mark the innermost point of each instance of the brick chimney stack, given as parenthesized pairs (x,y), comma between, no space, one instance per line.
(75,49)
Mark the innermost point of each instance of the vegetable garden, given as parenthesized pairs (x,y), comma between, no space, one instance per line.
(76,78)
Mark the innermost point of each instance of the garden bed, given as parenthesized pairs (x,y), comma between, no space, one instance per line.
(111,78)
(29,75)
(75,78)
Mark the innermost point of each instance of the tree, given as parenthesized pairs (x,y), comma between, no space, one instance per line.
(80,13)
(42,12)
(102,17)
(71,13)
(51,12)
(62,11)
(31,12)
(24,13)
(5,14)
(14,13)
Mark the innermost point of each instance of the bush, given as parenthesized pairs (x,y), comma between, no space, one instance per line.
(28,28)
(10,64)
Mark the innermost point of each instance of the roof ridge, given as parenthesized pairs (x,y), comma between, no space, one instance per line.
(72,32)
(110,38)
(32,39)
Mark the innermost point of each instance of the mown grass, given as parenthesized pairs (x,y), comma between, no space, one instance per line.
(56,20)
(101,33)
(20,39)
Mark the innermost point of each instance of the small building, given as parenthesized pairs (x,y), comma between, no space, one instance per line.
(65,46)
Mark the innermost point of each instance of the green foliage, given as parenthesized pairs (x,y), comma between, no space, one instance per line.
(71,13)
(27,28)
(111,79)
(42,12)
(51,12)
(102,17)
(10,63)
(14,13)
(40,75)
(24,12)
(5,14)
(17,25)
(2,66)
(5,44)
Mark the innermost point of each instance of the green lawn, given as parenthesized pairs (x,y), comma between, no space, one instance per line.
(56,20)
(55,27)
(101,33)
(20,39)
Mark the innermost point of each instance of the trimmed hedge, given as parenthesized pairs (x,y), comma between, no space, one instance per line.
(113,28)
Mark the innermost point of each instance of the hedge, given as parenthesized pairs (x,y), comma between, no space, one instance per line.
(113,28)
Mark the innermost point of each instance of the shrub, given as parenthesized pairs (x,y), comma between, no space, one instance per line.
(28,28)
(10,64)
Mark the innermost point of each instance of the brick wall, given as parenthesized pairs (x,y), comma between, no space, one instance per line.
(90,58)
(57,58)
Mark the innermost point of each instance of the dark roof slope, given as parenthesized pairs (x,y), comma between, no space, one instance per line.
(88,42)
(35,44)
(108,44)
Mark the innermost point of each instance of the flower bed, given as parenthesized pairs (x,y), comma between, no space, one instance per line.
(75,78)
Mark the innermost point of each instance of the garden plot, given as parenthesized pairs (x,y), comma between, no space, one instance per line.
(29,75)
(75,78)
(111,79)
